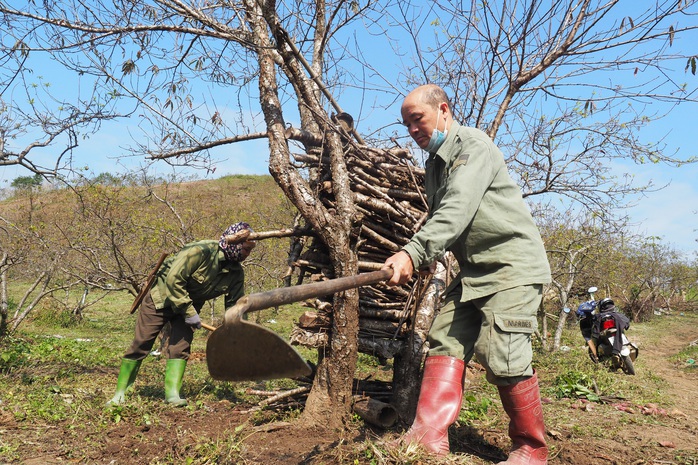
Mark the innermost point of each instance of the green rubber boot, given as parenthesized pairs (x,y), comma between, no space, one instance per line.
(127,375)
(174,372)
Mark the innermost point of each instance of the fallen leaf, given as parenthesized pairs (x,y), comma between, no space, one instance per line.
(625,408)
(677,413)
(652,409)
(667,444)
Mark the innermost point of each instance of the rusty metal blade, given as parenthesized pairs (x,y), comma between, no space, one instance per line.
(240,350)
(246,351)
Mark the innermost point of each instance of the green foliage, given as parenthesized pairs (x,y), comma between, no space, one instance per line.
(43,402)
(113,229)
(9,451)
(14,353)
(61,378)
(692,294)
(108,179)
(115,413)
(576,384)
(687,357)
(475,408)
(27,182)
(221,390)
(65,356)
(56,318)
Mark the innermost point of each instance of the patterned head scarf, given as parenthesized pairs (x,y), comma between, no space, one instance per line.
(233,252)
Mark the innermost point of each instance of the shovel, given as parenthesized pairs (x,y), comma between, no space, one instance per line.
(240,350)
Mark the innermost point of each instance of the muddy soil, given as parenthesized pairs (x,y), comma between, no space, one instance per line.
(629,433)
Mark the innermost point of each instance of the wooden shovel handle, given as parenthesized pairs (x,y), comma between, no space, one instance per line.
(208,327)
(287,295)
(148,283)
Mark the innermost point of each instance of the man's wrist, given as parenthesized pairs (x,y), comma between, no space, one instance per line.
(410,255)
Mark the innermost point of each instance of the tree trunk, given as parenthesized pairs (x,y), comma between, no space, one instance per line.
(560,326)
(329,402)
(4,303)
(564,299)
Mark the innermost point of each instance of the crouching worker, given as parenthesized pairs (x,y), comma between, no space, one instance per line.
(477,212)
(200,271)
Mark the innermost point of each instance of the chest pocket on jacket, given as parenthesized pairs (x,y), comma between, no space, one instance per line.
(199,276)
(460,161)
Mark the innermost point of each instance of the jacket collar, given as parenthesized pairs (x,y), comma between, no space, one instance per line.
(450,146)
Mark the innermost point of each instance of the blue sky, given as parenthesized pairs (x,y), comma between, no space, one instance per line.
(670,213)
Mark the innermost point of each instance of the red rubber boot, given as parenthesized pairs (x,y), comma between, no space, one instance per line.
(439,404)
(521,401)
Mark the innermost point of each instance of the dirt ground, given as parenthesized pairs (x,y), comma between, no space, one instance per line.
(670,437)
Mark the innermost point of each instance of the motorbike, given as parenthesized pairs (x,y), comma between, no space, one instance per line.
(603,327)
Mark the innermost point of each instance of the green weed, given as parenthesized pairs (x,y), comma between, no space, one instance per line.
(474,409)
(47,316)
(576,384)
(115,413)
(9,451)
(682,459)
(686,358)
(44,403)
(14,353)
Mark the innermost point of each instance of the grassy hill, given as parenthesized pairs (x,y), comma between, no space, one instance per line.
(92,240)
(129,226)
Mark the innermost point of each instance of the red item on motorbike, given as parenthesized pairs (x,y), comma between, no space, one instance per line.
(608,324)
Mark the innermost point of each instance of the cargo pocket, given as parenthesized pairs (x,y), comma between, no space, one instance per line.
(510,345)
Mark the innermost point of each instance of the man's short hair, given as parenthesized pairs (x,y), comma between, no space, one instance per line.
(435,95)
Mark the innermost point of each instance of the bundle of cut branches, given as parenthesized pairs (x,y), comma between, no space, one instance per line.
(388,191)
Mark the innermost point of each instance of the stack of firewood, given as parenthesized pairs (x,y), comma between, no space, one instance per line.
(388,191)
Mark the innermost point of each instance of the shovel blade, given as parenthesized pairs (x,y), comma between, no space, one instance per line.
(245,351)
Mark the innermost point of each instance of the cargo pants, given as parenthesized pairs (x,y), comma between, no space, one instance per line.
(496,329)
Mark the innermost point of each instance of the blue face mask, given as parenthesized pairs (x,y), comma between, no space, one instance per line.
(437,137)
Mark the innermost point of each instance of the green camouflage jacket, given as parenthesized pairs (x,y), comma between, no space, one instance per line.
(195,274)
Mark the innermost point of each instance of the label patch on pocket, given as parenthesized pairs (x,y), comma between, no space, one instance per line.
(513,324)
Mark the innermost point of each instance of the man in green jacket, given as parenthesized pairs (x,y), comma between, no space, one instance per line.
(200,271)
(477,212)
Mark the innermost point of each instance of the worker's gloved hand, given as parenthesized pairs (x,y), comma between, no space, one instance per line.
(193,321)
